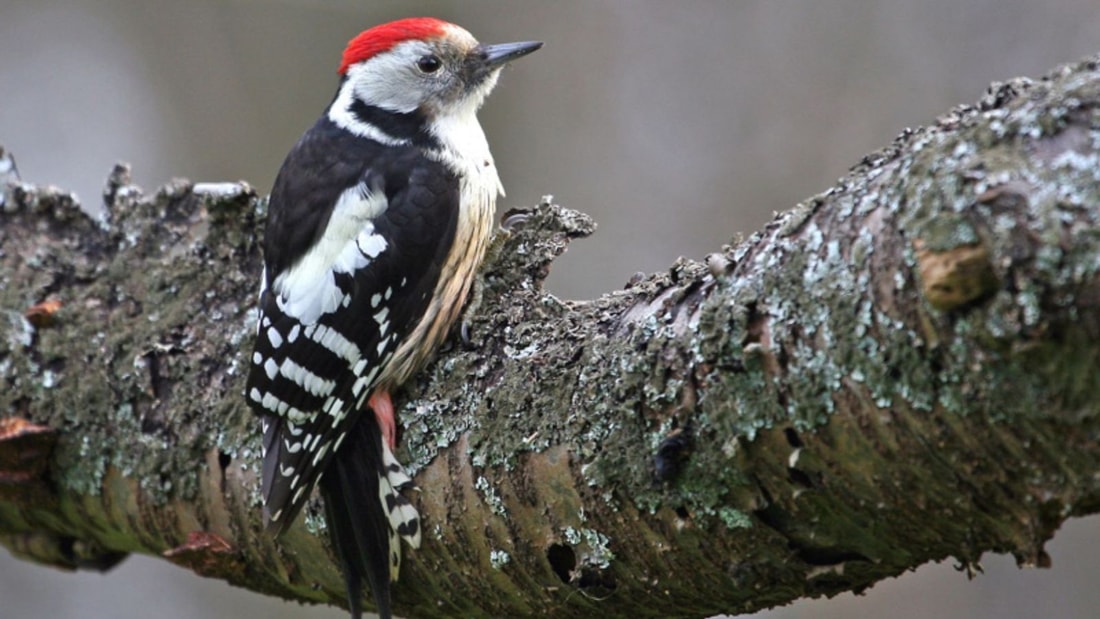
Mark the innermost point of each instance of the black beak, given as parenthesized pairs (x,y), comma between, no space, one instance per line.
(496,55)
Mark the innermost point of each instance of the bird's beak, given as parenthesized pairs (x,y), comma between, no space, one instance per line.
(503,53)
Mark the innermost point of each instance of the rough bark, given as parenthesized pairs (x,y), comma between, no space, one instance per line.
(899,370)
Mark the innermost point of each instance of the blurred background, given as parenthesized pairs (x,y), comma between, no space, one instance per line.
(676,125)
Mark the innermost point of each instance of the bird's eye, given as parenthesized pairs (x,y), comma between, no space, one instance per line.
(429,63)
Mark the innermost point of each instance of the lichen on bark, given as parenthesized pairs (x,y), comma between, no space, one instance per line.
(898,370)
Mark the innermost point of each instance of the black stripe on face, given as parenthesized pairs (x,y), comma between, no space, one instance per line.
(410,126)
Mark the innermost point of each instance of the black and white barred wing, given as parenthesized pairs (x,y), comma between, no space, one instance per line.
(329,324)
(310,375)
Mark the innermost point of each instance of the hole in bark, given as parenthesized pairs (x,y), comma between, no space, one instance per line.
(792,438)
(672,454)
(223,462)
(682,513)
(562,560)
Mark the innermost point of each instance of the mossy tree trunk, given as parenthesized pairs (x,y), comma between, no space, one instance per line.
(899,370)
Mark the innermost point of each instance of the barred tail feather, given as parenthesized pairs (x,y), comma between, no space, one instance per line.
(404,521)
(367,515)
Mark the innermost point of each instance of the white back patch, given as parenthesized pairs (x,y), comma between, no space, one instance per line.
(307,290)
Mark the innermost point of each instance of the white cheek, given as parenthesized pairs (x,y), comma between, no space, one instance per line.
(390,89)
(391,80)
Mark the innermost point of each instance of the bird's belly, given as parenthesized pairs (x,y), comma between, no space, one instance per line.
(455,281)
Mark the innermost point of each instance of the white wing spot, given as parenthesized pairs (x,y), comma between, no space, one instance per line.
(271,403)
(271,369)
(340,345)
(359,367)
(372,375)
(360,384)
(257,358)
(382,314)
(370,244)
(334,406)
(375,300)
(339,414)
(320,454)
(335,342)
(304,378)
(298,416)
(274,337)
(389,291)
(293,335)
(256,397)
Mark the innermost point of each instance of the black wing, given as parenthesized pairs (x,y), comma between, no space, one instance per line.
(326,329)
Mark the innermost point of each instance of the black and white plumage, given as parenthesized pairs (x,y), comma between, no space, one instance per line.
(377,222)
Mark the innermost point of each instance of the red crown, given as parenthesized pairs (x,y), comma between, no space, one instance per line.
(383,37)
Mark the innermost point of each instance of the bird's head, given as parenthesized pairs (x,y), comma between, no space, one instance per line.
(423,65)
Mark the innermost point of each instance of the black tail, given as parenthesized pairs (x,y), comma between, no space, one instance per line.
(357,522)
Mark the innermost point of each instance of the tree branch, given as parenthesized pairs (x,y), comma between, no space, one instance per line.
(899,370)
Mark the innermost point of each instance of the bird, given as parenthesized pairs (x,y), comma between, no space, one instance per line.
(377,223)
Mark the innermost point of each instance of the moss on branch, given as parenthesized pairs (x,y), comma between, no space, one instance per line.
(899,370)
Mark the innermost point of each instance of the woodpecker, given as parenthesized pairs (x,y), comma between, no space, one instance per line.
(377,222)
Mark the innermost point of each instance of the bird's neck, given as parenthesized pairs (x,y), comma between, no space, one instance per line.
(464,149)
